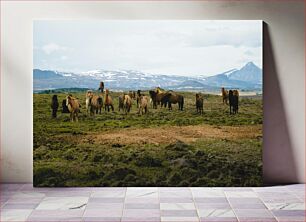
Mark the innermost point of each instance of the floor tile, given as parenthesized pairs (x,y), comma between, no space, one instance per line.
(207,192)
(210,200)
(142,213)
(278,189)
(103,213)
(178,213)
(55,214)
(291,219)
(25,200)
(176,193)
(285,206)
(20,206)
(213,205)
(142,200)
(218,219)
(140,219)
(253,213)
(176,200)
(240,194)
(216,213)
(179,219)
(255,219)
(68,193)
(62,203)
(247,203)
(109,194)
(14,214)
(150,192)
(55,219)
(246,200)
(289,213)
(177,206)
(141,206)
(101,219)
(105,200)
(24,194)
(91,205)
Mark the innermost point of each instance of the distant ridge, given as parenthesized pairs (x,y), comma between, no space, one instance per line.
(249,77)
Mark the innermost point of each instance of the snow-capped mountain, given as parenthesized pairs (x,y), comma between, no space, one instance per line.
(248,73)
(249,77)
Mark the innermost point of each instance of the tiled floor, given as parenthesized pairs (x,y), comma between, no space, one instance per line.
(22,202)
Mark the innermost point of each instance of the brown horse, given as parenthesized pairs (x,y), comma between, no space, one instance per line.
(157,96)
(224,95)
(88,95)
(108,102)
(73,107)
(132,94)
(144,105)
(96,104)
(127,103)
(138,98)
(199,103)
(170,98)
(120,106)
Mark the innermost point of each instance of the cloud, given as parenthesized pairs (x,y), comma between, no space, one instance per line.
(53,47)
(64,57)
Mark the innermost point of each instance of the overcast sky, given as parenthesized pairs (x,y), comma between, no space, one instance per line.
(181,47)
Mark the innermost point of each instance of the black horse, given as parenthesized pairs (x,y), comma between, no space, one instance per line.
(54,105)
(233,97)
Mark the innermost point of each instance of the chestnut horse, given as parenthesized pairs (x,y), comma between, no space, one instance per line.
(108,102)
(224,95)
(73,107)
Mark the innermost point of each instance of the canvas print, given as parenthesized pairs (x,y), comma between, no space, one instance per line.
(147,103)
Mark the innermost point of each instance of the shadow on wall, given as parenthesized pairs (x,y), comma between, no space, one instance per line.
(278,160)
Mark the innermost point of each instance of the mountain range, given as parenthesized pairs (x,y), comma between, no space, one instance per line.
(249,77)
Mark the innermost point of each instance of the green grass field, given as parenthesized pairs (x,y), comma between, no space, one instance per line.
(161,148)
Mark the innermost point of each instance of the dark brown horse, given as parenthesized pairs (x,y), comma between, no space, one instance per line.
(170,98)
(120,102)
(95,104)
(233,101)
(199,103)
(101,87)
(157,98)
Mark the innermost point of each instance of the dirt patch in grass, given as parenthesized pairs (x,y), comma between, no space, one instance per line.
(171,134)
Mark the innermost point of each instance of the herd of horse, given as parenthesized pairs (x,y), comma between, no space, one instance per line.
(157,97)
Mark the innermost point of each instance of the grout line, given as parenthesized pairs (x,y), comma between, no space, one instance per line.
(158,197)
(197,210)
(91,192)
(292,192)
(123,207)
(231,206)
(265,204)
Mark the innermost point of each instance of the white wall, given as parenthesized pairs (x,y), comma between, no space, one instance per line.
(284,80)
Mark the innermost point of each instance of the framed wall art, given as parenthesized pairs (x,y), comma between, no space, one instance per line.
(147,103)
